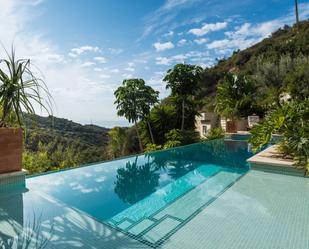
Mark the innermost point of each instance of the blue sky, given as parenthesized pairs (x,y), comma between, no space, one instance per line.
(86,48)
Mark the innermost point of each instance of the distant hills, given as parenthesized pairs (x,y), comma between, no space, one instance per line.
(59,131)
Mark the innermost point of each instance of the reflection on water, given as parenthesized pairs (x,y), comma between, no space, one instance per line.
(135,182)
(140,178)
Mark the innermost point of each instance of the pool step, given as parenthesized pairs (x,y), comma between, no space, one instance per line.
(196,199)
(166,221)
(161,230)
(166,195)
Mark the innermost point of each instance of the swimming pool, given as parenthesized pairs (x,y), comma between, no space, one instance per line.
(147,197)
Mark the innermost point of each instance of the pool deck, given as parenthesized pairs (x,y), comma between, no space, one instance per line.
(271,160)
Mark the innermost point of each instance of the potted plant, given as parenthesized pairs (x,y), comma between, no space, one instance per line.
(20,92)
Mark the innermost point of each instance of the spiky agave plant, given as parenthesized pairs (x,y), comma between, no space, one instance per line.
(20,90)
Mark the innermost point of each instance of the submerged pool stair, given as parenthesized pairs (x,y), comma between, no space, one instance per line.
(157,227)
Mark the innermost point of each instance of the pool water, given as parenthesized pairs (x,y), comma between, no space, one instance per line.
(148,197)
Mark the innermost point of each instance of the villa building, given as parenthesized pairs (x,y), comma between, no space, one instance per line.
(208,120)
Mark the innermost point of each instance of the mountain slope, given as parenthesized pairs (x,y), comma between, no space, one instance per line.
(292,41)
(87,140)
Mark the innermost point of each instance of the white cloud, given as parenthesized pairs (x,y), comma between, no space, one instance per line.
(97,69)
(170,33)
(181,42)
(163,61)
(100,59)
(208,27)
(170,4)
(181,58)
(130,69)
(115,51)
(156,81)
(57,58)
(127,75)
(87,64)
(163,46)
(83,49)
(116,70)
(104,76)
(201,41)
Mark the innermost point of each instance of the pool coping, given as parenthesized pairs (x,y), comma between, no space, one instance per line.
(271,160)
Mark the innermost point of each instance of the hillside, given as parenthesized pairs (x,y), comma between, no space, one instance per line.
(87,140)
(291,41)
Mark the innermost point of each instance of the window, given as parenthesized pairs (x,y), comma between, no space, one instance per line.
(204,129)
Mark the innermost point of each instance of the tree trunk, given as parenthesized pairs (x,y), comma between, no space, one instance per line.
(183,115)
(150,131)
(296,12)
(139,138)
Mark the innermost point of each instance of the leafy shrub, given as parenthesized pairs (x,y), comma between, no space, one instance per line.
(215,133)
(292,121)
(176,137)
(173,138)
(297,81)
(152,147)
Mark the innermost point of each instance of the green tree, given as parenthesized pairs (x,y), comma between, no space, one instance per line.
(297,82)
(134,100)
(20,89)
(235,97)
(117,142)
(162,119)
(183,81)
(270,76)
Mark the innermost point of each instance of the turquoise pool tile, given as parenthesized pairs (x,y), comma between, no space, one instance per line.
(124,225)
(141,227)
(190,203)
(162,197)
(262,210)
(161,230)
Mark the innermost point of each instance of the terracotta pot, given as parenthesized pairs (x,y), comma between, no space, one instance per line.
(11,144)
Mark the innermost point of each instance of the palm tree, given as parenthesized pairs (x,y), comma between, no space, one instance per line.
(235,97)
(117,142)
(20,89)
(183,81)
(134,100)
(135,182)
